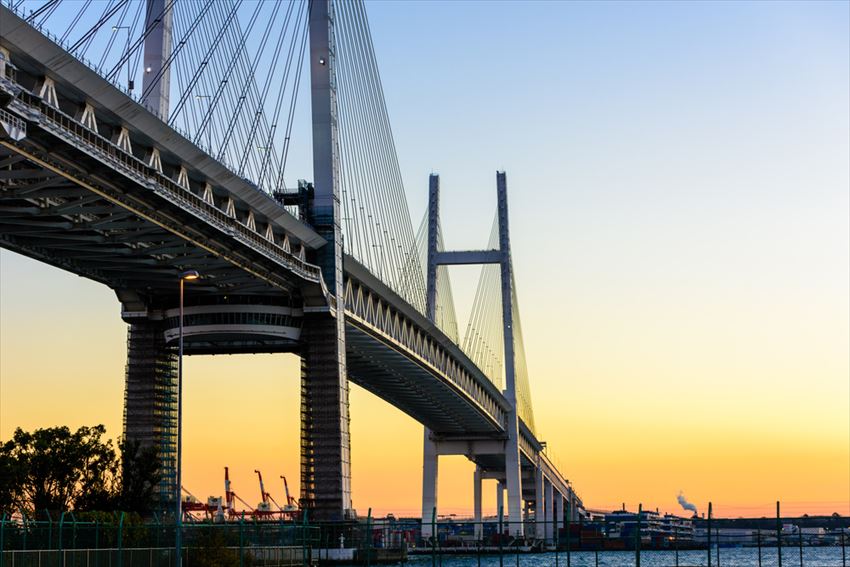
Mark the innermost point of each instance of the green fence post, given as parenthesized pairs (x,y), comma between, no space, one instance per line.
(676,542)
(480,542)
(800,541)
(26,529)
(637,537)
(305,519)
(717,537)
(49,529)
(61,525)
(516,542)
(96,543)
(439,549)
(567,518)
(73,533)
(708,534)
(778,535)
(556,545)
(434,537)
(368,537)
(242,540)
(2,527)
(758,543)
(580,540)
(501,534)
(280,535)
(121,540)
(158,528)
(843,552)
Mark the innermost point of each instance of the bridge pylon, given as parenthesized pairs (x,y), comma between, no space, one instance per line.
(150,399)
(325,439)
(511,479)
(156,85)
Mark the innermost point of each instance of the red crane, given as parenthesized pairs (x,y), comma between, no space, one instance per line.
(291,504)
(264,496)
(230,497)
(264,508)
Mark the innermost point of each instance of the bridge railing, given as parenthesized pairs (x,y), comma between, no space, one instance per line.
(15,7)
(441,356)
(66,127)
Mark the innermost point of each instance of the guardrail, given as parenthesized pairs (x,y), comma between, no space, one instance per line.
(655,541)
(75,133)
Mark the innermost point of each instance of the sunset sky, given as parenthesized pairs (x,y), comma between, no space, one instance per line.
(679,182)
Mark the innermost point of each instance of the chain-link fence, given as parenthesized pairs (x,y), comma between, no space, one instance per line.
(112,542)
(617,539)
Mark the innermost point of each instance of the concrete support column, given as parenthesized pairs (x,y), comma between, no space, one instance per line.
(325,440)
(430,462)
(476,491)
(500,497)
(513,476)
(150,401)
(559,513)
(539,504)
(550,516)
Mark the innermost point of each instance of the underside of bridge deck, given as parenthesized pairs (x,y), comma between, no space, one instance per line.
(429,398)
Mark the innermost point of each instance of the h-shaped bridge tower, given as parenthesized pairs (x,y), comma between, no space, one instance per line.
(507,448)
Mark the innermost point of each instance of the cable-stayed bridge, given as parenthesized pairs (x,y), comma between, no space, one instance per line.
(140,139)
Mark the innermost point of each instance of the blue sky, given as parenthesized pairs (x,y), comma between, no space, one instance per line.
(678,177)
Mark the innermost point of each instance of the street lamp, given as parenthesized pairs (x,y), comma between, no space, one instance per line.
(188,275)
(126,54)
(208,98)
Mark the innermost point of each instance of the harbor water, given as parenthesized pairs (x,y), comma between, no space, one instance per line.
(729,557)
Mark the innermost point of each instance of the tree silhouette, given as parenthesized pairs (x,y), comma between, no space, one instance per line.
(53,470)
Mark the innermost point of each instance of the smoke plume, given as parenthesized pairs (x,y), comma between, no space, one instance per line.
(683,502)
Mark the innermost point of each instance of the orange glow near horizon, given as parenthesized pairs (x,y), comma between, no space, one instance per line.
(242,411)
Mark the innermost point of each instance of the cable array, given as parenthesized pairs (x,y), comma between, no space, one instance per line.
(444,313)
(376,220)
(236,69)
(483,341)
(525,410)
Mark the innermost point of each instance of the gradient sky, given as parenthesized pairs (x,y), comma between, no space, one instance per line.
(679,180)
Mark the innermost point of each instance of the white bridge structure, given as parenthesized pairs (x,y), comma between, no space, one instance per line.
(182,165)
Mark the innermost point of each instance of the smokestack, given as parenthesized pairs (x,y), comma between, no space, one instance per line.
(683,502)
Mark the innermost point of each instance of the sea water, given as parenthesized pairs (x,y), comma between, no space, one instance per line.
(729,557)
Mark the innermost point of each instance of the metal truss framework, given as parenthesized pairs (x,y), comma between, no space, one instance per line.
(370,313)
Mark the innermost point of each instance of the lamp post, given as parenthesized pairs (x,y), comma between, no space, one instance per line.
(126,54)
(188,275)
(208,98)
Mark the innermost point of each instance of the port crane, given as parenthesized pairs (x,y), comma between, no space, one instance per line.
(264,508)
(219,510)
(231,497)
(291,504)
